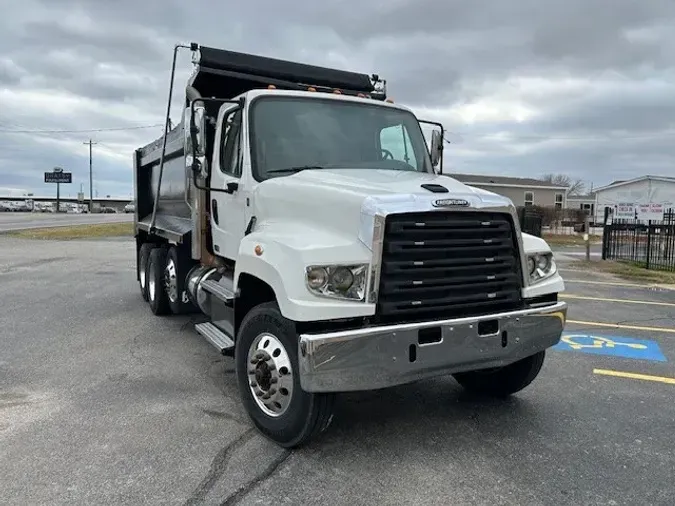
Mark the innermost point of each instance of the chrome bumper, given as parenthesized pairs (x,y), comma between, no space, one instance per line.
(379,357)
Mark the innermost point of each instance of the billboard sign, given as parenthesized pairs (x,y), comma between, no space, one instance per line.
(58,177)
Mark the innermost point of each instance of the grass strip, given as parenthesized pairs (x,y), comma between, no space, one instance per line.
(67,233)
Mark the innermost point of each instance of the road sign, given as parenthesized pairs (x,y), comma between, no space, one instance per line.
(58,177)
(618,346)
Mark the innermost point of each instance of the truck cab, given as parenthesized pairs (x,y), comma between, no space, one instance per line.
(308,219)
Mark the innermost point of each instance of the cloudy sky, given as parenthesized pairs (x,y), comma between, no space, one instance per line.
(525,87)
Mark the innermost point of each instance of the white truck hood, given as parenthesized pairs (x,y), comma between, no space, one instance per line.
(346,200)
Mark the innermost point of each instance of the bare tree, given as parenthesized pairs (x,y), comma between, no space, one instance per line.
(575,186)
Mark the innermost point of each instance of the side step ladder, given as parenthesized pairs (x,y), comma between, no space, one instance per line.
(222,342)
(225,294)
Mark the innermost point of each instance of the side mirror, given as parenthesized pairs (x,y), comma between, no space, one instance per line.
(198,130)
(195,140)
(436,148)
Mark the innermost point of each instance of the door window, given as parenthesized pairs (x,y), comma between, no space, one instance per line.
(230,162)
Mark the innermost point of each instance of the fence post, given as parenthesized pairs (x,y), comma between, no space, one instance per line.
(649,242)
(587,238)
(605,232)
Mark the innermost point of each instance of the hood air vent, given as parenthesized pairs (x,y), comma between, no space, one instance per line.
(435,188)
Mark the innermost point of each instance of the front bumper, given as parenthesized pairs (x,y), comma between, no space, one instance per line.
(379,357)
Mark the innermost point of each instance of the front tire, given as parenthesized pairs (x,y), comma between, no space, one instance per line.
(266,360)
(504,381)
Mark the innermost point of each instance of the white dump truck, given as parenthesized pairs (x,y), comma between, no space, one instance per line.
(306,218)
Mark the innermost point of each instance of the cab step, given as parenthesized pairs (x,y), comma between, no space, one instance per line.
(222,342)
(220,290)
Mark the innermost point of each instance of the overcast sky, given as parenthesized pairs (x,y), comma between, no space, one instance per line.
(525,87)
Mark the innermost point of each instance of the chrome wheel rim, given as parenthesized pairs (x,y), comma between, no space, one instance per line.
(170,281)
(270,375)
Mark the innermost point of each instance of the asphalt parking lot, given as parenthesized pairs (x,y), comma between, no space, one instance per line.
(102,403)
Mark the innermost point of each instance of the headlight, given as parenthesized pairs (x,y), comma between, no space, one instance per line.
(540,266)
(337,281)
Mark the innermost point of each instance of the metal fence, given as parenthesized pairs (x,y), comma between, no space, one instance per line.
(650,244)
(530,221)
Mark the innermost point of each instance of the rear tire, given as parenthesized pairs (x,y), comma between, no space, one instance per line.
(504,381)
(266,361)
(157,297)
(142,267)
(178,264)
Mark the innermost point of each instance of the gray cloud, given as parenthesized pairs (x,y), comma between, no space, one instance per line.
(612,121)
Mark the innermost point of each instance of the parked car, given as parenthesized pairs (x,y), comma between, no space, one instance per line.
(130,207)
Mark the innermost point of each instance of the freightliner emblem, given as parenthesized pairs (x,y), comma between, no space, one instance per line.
(450,203)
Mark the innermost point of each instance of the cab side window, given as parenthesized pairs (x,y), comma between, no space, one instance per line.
(230,160)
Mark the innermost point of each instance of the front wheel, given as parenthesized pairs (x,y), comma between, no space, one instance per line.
(503,381)
(266,359)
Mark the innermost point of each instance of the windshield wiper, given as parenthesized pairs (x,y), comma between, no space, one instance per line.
(294,169)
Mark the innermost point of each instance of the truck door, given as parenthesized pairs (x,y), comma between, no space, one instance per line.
(228,219)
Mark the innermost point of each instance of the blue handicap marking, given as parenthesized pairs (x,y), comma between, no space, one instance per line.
(625,347)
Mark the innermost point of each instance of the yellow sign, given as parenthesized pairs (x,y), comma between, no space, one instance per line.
(596,342)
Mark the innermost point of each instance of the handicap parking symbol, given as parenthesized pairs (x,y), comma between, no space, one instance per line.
(624,347)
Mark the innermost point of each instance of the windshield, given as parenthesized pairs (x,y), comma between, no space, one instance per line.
(296,133)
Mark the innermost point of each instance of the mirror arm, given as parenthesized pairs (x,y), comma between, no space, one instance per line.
(195,167)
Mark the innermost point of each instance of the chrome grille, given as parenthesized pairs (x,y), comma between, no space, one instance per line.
(448,265)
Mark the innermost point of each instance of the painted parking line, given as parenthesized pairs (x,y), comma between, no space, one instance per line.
(621,301)
(614,283)
(666,330)
(633,375)
(616,346)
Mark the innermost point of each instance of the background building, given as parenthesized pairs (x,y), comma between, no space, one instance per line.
(644,198)
(585,203)
(521,191)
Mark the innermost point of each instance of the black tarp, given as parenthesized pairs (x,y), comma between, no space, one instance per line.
(236,73)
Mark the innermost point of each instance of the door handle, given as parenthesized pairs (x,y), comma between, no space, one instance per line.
(214,211)
(231,187)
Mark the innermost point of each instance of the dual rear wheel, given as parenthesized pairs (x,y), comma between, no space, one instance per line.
(162,273)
